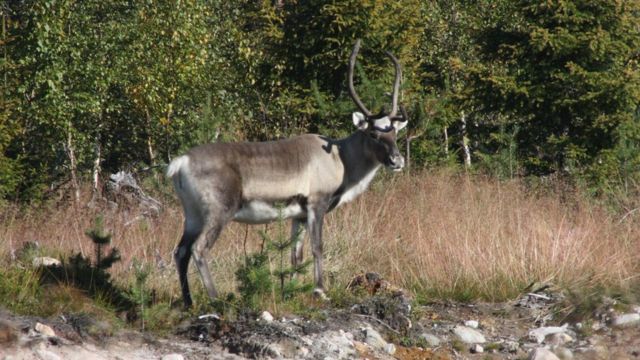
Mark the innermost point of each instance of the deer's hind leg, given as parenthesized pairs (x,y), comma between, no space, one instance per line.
(222,202)
(182,256)
(203,243)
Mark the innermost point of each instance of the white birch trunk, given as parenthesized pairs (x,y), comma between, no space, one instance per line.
(96,167)
(73,167)
(465,142)
(446,143)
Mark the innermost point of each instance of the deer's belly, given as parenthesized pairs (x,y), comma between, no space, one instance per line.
(260,212)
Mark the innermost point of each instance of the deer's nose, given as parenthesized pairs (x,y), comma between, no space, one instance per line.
(396,162)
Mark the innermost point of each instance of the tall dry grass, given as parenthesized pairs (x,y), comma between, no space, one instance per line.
(439,234)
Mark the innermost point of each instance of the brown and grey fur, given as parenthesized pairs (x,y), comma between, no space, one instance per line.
(301,178)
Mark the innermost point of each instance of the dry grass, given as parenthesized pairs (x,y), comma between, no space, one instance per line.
(438,234)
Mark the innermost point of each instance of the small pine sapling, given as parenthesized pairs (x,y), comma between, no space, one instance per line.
(101,238)
(256,276)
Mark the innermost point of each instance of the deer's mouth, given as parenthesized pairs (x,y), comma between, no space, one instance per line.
(396,164)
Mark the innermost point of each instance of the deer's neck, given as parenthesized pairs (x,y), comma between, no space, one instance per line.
(360,164)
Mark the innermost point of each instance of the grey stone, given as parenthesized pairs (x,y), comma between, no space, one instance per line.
(266,316)
(510,346)
(477,349)
(390,349)
(45,261)
(626,320)
(431,339)
(472,324)
(173,357)
(542,354)
(558,339)
(563,353)
(47,355)
(374,338)
(538,335)
(335,343)
(468,335)
(43,353)
(44,329)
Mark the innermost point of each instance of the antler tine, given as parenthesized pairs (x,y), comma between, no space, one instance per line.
(396,85)
(352,90)
(403,111)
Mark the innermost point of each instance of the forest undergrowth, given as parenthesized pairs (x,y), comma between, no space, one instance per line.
(440,235)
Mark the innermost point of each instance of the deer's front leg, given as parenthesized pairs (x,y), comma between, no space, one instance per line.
(298,228)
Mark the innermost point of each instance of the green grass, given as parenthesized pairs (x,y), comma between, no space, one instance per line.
(20,290)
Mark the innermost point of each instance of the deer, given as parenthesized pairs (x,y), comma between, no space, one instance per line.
(300,178)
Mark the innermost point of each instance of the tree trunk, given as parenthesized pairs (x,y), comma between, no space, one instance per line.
(73,166)
(410,138)
(152,156)
(96,167)
(446,143)
(408,152)
(465,142)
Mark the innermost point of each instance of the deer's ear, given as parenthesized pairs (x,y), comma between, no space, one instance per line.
(359,120)
(399,125)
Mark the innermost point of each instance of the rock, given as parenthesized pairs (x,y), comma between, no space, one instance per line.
(542,354)
(431,339)
(510,347)
(558,339)
(563,353)
(593,352)
(47,355)
(538,335)
(45,261)
(266,317)
(468,335)
(374,339)
(44,329)
(477,349)
(472,324)
(390,349)
(332,344)
(626,320)
(173,357)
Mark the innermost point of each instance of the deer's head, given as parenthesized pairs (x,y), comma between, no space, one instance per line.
(382,128)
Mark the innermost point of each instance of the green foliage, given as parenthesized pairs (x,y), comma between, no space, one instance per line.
(545,88)
(291,72)
(567,72)
(139,294)
(259,279)
(119,80)
(100,239)
(254,279)
(281,245)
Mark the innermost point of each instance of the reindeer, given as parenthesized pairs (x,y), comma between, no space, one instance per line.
(308,175)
